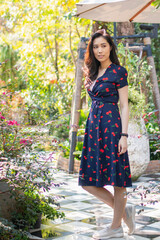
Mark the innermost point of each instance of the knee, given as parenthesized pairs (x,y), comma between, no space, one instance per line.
(89,189)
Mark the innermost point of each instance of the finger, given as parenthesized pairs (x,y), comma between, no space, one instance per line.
(119,148)
(123,150)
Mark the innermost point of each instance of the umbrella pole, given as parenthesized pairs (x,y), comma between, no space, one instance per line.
(76,102)
(153,76)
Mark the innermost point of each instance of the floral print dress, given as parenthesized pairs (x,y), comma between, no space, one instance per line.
(101,163)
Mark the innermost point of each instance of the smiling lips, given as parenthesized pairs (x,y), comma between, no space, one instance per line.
(100,56)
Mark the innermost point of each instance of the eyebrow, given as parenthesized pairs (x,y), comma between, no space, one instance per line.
(99,44)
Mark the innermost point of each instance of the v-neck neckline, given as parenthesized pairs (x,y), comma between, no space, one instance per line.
(100,77)
(105,71)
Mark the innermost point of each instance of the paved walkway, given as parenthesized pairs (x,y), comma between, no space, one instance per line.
(85,214)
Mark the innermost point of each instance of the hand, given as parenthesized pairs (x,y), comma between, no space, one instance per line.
(87,81)
(122,145)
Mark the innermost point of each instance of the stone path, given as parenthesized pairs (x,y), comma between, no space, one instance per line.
(85,214)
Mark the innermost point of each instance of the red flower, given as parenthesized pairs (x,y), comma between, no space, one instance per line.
(105,145)
(113,134)
(97,180)
(114,71)
(96,127)
(91,156)
(84,147)
(85,157)
(101,116)
(89,149)
(94,171)
(112,183)
(101,85)
(116,125)
(107,89)
(109,178)
(120,174)
(82,175)
(91,121)
(90,136)
(95,116)
(89,166)
(109,120)
(129,176)
(107,156)
(90,179)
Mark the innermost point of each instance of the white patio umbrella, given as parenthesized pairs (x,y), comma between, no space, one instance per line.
(119,11)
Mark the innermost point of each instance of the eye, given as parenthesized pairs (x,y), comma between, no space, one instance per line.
(94,47)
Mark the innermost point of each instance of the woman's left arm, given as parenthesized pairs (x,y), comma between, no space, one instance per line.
(123,98)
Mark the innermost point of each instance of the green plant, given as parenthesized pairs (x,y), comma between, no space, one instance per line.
(30,207)
(152,126)
(8,231)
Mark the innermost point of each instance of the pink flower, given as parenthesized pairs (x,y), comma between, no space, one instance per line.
(11,123)
(2,117)
(3,93)
(26,141)
(3,102)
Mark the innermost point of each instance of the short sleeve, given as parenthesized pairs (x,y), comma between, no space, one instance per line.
(122,78)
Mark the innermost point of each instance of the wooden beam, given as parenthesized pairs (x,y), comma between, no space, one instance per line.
(90,9)
(141,10)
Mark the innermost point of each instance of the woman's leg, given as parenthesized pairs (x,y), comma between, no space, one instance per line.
(106,196)
(120,199)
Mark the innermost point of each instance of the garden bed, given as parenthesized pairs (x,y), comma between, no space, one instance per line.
(63,164)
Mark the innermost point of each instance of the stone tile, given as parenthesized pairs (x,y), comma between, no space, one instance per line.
(79,197)
(77,206)
(74,237)
(134,237)
(154,214)
(157,238)
(144,179)
(77,215)
(76,227)
(155,225)
(145,220)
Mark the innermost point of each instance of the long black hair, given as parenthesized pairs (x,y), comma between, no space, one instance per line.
(91,62)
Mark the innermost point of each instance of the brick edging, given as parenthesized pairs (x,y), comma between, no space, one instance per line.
(153,167)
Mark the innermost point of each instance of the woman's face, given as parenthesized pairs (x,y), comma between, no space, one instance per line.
(101,49)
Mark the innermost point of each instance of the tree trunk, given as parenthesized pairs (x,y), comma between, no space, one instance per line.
(125,28)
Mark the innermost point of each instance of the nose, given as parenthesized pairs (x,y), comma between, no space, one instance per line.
(99,49)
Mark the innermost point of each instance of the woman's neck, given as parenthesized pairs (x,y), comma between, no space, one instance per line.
(104,65)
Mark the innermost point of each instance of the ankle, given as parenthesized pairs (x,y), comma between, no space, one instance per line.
(115,226)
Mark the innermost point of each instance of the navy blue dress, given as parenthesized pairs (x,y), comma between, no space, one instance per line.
(101,163)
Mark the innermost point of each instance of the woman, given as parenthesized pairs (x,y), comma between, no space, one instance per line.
(104,158)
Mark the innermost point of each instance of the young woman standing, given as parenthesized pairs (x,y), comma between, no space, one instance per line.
(104,158)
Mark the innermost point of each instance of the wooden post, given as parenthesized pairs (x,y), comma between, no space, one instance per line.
(153,76)
(77,102)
